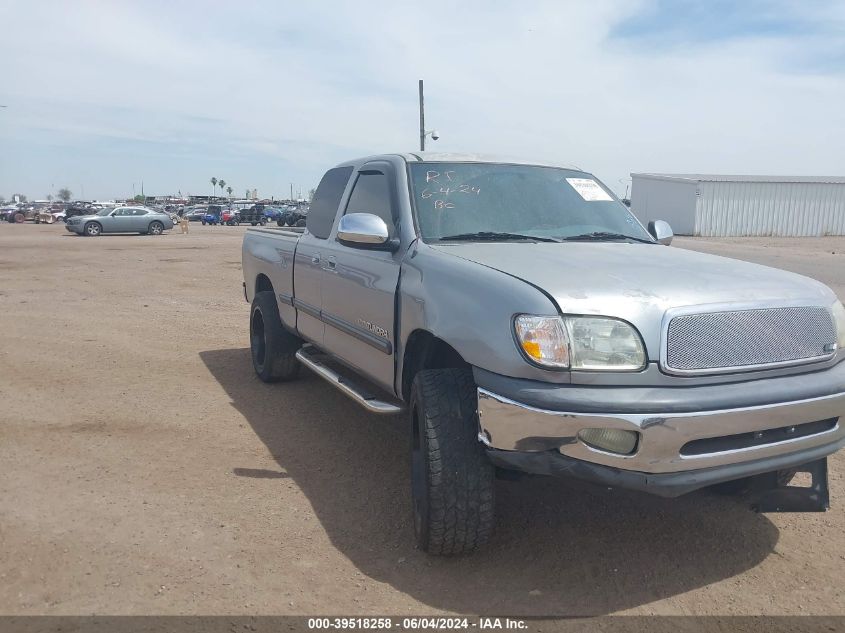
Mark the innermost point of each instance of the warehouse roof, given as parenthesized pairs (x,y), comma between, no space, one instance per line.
(740,178)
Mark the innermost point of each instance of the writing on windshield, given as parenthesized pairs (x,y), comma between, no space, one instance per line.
(474,198)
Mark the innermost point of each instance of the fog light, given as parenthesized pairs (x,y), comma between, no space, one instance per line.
(610,440)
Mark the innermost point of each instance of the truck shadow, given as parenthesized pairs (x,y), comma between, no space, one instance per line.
(559,549)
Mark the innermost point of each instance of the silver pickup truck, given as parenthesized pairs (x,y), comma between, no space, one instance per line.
(524,320)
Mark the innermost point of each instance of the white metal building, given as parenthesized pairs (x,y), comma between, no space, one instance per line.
(709,205)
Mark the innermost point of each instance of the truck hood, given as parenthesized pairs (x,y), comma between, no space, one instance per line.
(639,282)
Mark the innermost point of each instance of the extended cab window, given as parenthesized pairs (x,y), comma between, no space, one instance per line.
(326,201)
(371,194)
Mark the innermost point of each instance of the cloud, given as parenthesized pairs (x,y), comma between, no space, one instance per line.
(264,94)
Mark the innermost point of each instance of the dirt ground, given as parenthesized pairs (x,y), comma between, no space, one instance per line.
(146,470)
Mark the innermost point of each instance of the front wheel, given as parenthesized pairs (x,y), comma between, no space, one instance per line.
(273,348)
(92,229)
(451,477)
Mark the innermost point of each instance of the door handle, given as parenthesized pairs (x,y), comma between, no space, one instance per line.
(331,265)
(315,259)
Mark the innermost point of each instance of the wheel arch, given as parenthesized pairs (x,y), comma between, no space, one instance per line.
(424,350)
(263,283)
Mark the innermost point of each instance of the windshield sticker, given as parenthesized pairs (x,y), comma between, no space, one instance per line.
(588,189)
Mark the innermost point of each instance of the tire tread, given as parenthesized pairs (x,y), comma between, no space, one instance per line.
(460,476)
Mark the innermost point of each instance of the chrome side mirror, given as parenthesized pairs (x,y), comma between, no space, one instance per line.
(364,230)
(661,231)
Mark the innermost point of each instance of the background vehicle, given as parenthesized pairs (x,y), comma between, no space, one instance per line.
(76,209)
(230,217)
(524,320)
(213,215)
(293,215)
(254,215)
(13,213)
(196,214)
(121,220)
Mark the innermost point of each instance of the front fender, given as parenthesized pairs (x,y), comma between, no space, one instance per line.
(471,307)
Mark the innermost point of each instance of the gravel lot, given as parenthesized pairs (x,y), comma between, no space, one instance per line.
(146,470)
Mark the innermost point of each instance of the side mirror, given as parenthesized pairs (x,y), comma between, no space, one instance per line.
(661,231)
(364,230)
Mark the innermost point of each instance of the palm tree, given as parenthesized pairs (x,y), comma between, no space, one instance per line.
(229,190)
(214,184)
(221,183)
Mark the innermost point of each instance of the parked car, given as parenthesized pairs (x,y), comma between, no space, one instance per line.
(272,214)
(230,217)
(196,214)
(121,220)
(76,209)
(13,213)
(293,215)
(213,215)
(523,319)
(254,215)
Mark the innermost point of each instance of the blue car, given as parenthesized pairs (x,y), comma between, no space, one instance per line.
(272,214)
(213,215)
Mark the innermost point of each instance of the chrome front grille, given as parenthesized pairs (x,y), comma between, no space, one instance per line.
(743,339)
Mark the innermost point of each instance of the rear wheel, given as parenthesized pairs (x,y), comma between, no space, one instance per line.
(273,348)
(156,228)
(451,477)
(19,218)
(92,229)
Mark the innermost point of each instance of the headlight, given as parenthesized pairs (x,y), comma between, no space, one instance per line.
(839,319)
(580,342)
(543,339)
(604,344)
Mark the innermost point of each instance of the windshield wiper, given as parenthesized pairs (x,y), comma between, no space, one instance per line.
(598,236)
(493,236)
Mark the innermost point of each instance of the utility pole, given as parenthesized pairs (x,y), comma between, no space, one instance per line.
(291,191)
(422,119)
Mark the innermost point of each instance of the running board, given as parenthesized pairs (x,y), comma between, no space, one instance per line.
(309,357)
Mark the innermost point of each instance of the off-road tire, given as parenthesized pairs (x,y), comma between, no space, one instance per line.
(452,480)
(273,349)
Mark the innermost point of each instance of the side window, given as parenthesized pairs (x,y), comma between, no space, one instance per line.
(122,213)
(371,194)
(326,202)
(140,212)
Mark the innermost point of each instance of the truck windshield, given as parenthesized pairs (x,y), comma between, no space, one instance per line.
(479,201)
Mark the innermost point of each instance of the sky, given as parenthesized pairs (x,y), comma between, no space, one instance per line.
(103,95)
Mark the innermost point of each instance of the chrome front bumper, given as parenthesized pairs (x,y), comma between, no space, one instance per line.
(507,425)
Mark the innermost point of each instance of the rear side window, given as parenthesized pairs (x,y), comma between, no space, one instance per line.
(326,202)
(371,194)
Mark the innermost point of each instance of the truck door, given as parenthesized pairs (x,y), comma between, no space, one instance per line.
(359,285)
(309,260)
